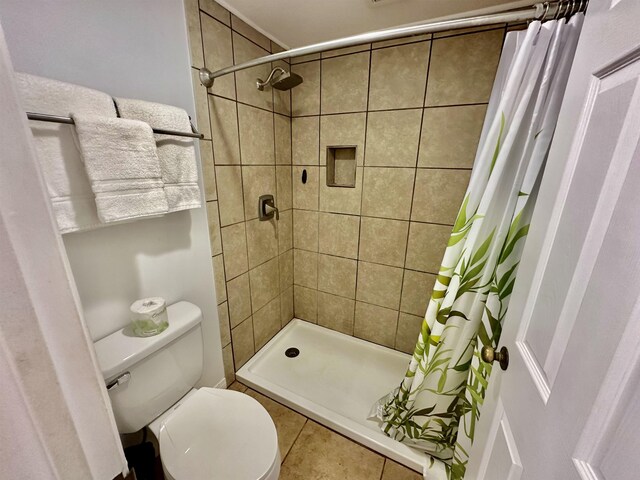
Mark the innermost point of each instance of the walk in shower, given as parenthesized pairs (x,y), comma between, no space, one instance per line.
(333,191)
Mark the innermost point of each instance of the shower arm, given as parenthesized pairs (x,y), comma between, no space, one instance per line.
(538,11)
(260,84)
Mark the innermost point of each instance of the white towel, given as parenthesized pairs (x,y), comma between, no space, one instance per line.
(67,182)
(123,167)
(177,154)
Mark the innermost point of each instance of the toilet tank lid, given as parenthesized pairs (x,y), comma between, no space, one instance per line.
(122,349)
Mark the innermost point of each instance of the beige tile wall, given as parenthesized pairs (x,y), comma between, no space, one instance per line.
(365,258)
(246,153)
(360,260)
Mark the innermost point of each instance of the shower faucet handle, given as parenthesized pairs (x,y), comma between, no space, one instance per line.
(270,210)
(267,208)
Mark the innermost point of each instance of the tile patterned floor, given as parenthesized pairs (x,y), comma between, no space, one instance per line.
(310,451)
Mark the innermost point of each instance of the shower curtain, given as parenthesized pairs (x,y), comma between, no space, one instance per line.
(437,405)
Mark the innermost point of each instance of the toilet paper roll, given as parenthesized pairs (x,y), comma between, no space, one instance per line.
(149,316)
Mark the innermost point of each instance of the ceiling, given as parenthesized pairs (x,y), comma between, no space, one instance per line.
(295,23)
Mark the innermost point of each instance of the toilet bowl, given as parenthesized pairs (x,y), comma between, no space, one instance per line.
(205,433)
(217,434)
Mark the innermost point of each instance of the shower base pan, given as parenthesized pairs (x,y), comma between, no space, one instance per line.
(334,380)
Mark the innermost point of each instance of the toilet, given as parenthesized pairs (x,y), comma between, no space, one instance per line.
(203,433)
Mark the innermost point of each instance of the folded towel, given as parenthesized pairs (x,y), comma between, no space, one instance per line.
(71,197)
(123,167)
(177,154)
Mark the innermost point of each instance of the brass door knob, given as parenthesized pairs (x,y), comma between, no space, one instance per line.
(488,355)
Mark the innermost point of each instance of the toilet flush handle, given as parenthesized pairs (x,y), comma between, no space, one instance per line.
(121,380)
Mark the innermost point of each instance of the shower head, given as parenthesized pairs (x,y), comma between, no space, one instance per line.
(284,81)
(287,81)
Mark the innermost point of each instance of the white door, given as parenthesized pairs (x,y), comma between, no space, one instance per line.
(568,406)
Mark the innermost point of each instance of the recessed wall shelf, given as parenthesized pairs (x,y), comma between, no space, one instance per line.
(341,166)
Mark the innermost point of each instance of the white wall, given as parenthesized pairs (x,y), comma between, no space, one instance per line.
(133,49)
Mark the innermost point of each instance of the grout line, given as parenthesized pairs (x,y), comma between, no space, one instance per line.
(217,95)
(306,419)
(351,112)
(364,47)
(311,165)
(204,64)
(251,219)
(432,38)
(344,436)
(373,216)
(293,270)
(276,201)
(317,197)
(235,83)
(293,202)
(489,28)
(224,273)
(462,169)
(234,16)
(320,69)
(306,61)
(413,193)
(230,27)
(293,304)
(399,309)
(362,186)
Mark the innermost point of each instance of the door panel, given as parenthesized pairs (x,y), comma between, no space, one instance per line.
(542,344)
(620,443)
(609,440)
(536,336)
(504,461)
(611,435)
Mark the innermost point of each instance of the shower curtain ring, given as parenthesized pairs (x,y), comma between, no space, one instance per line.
(565,9)
(546,10)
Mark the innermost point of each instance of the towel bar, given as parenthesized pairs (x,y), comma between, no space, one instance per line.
(43,117)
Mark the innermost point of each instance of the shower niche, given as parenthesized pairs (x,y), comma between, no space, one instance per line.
(341,166)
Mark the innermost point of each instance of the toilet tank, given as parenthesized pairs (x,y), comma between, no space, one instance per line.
(147,375)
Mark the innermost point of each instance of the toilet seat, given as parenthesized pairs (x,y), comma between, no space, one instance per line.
(216,434)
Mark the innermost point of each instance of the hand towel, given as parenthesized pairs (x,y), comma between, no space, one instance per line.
(123,167)
(177,154)
(71,197)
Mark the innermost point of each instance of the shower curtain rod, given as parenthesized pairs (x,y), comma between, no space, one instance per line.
(538,11)
(45,117)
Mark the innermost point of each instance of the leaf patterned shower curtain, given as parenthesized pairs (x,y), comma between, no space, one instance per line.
(437,405)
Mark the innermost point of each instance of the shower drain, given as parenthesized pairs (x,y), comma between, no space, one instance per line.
(292,352)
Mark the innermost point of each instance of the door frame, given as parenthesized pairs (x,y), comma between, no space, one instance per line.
(55,415)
